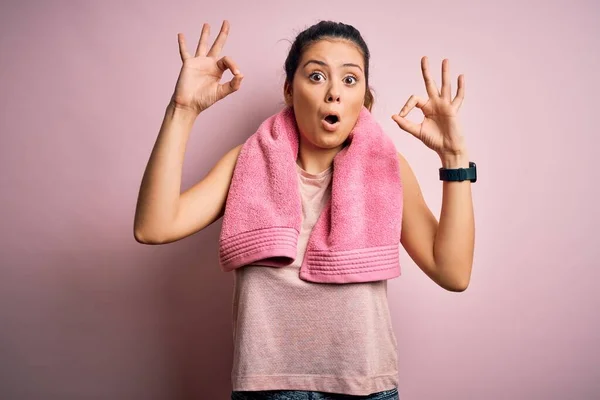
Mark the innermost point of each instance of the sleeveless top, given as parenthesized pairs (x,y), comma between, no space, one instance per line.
(290,334)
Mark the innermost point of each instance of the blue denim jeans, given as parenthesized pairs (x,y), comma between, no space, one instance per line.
(303,395)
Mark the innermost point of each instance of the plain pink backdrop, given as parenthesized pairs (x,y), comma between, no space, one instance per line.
(87,312)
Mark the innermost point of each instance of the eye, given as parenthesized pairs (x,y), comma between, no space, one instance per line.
(350,77)
(316,74)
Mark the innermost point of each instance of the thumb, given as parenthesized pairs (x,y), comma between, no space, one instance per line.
(233,85)
(408,126)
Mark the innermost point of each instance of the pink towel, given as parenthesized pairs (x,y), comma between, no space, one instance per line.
(357,236)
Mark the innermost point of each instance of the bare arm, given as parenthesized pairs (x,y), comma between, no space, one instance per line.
(163,214)
(444,250)
(158,197)
(204,203)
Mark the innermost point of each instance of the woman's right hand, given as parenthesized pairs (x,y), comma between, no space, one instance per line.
(198,85)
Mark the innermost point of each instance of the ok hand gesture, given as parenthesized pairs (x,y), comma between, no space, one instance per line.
(198,85)
(440,129)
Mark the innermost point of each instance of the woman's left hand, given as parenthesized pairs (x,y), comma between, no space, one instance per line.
(440,129)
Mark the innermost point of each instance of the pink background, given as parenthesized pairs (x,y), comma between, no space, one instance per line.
(86,312)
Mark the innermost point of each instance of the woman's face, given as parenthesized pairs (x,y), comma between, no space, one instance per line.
(329,80)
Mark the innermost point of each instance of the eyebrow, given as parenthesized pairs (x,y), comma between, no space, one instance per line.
(325,64)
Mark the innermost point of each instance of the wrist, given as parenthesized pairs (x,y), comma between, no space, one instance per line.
(178,111)
(454,161)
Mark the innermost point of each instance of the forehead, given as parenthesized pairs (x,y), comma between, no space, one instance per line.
(334,52)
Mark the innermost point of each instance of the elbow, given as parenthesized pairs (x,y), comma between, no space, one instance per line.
(142,238)
(139,237)
(455,282)
(454,278)
(460,287)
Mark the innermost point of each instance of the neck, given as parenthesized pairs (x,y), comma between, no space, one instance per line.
(314,159)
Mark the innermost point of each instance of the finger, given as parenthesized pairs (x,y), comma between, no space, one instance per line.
(217,46)
(412,102)
(203,41)
(446,88)
(226,63)
(232,86)
(182,47)
(460,93)
(432,90)
(408,126)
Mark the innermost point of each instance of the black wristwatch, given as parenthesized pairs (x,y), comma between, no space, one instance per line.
(459,174)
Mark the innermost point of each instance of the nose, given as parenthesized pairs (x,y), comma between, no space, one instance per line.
(333,94)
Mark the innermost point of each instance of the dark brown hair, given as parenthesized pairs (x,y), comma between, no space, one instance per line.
(328,30)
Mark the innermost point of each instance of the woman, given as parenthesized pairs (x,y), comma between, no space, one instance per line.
(296,339)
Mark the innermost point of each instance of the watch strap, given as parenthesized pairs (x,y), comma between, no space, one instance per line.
(459,174)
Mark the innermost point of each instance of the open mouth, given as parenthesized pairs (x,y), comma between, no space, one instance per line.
(332,119)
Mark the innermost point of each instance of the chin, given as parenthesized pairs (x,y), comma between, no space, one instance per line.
(330,142)
(326,140)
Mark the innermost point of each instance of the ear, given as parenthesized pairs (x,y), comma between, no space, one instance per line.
(287,94)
